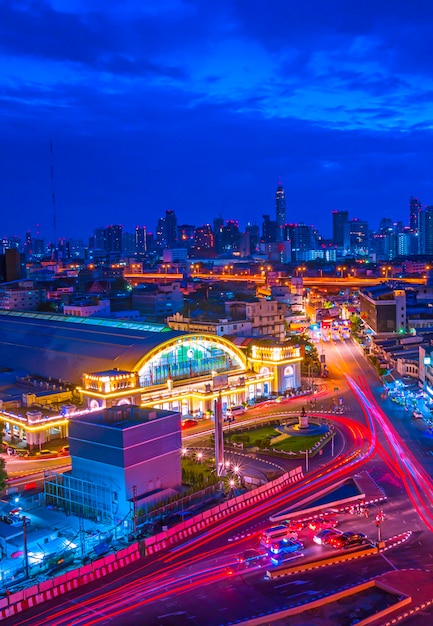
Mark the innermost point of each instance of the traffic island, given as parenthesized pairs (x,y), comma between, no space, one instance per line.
(368,603)
(304,565)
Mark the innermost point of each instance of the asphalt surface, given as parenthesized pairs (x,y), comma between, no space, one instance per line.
(202,585)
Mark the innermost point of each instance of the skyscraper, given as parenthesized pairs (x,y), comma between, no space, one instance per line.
(425,225)
(280,210)
(340,228)
(170,229)
(415,209)
(114,238)
(140,240)
(269,230)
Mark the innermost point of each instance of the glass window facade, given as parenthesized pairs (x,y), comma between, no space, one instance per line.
(188,358)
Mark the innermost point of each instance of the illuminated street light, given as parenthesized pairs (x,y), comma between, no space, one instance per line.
(184,451)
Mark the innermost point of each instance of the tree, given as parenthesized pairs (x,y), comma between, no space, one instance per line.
(47,307)
(3,475)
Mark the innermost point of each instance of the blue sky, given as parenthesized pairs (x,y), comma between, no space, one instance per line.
(201,107)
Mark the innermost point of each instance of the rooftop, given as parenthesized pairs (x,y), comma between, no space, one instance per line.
(123,417)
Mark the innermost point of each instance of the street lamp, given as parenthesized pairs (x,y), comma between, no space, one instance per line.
(385,270)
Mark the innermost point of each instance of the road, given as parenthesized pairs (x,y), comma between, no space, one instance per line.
(198,583)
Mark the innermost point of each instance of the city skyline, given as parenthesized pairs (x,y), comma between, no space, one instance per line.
(202,109)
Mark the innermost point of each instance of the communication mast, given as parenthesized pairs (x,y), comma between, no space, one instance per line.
(53,201)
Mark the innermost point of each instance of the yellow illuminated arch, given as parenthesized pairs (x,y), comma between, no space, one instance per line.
(226,346)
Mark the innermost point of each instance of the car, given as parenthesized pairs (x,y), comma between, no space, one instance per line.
(285,555)
(295,526)
(45,453)
(276,533)
(324,537)
(64,451)
(320,523)
(345,540)
(233,411)
(15,512)
(189,423)
(286,545)
(23,453)
(417,415)
(253,557)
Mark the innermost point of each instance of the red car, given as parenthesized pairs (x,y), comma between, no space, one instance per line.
(319,523)
(189,423)
(295,526)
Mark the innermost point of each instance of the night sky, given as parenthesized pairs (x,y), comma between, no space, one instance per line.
(201,106)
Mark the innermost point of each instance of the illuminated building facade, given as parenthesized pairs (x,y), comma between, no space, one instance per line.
(120,363)
(280,210)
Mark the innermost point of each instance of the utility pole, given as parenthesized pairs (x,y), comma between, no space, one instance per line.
(306,460)
(26,554)
(134,502)
(81,531)
(219,436)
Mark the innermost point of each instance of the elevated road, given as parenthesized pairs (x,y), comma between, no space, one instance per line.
(259,279)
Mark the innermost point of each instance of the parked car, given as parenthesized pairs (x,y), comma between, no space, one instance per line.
(319,523)
(345,540)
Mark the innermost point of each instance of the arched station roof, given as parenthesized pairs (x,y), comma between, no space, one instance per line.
(65,346)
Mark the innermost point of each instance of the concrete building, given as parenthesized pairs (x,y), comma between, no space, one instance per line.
(21,296)
(123,457)
(221,327)
(266,316)
(383,308)
(101,308)
(158,301)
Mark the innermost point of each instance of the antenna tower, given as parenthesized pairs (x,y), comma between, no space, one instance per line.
(53,200)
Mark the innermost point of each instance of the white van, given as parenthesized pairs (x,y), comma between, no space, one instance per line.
(276,533)
(233,411)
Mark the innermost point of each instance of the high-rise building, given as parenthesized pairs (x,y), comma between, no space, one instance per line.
(128,243)
(254,233)
(426,231)
(218,224)
(185,235)
(269,230)
(302,240)
(114,238)
(204,238)
(415,209)
(230,236)
(140,240)
(99,239)
(358,230)
(280,210)
(341,229)
(170,229)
